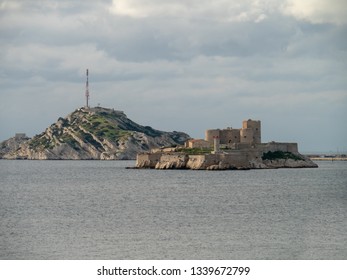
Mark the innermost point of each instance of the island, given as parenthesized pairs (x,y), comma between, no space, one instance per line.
(227,149)
(90,134)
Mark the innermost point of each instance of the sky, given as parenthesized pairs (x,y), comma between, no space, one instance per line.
(180,65)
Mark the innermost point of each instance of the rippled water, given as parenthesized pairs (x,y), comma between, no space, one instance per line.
(100,210)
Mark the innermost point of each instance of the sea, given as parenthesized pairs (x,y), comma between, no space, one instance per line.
(81,210)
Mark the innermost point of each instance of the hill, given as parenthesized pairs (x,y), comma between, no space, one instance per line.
(92,133)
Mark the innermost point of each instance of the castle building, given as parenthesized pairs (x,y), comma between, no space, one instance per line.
(250,133)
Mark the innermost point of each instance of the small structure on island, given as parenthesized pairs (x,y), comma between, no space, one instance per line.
(227,149)
(197,143)
(19,136)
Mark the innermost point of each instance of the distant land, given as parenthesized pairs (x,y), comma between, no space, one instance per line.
(327,157)
(90,133)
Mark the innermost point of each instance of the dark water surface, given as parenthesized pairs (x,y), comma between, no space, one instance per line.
(100,210)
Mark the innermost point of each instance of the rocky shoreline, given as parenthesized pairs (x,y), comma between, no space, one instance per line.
(217,162)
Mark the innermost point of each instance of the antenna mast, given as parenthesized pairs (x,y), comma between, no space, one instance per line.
(87,91)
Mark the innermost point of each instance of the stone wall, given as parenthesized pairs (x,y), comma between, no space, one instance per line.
(197,143)
(229,136)
(246,135)
(210,134)
(147,160)
(277,146)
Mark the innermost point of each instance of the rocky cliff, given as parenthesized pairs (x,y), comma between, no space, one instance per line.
(92,133)
(240,160)
(11,145)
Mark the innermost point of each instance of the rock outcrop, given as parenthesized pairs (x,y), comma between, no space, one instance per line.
(11,145)
(176,161)
(289,163)
(221,161)
(91,133)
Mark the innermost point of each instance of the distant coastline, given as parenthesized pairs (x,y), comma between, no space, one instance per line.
(328,158)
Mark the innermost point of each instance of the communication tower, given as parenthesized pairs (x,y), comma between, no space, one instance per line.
(87,91)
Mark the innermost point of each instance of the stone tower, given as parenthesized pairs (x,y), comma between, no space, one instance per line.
(251,132)
(210,134)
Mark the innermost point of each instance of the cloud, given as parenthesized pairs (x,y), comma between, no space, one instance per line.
(318,11)
(315,11)
(175,65)
(9,5)
(220,10)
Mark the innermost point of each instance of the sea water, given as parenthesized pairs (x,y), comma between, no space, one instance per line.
(101,210)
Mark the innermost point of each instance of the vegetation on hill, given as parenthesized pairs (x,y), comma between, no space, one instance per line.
(195,151)
(280,155)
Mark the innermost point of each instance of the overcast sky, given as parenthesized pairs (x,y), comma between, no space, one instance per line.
(184,65)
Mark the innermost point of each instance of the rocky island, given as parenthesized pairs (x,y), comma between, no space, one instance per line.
(227,149)
(107,134)
(90,133)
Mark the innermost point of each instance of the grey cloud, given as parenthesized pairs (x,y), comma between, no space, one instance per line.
(172,39)
(174,73)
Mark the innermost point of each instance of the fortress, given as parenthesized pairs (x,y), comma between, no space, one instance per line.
(250,133)
(227,149)
(245,139)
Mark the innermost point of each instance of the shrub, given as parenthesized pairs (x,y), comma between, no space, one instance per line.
(195,151)
(280,155)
